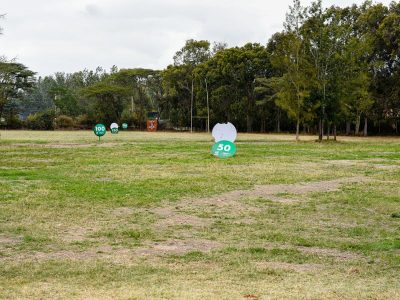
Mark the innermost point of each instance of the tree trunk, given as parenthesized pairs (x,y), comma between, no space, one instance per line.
(320,130)
(249,123)
(191,108)
(297,129)
(348,127)
(278,121)
(208,108)
(334,132)
(263,125)
(365,126)
(249,114)
(328,131)
(358,125)
(250,108)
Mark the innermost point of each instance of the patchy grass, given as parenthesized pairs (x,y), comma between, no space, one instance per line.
(143,215)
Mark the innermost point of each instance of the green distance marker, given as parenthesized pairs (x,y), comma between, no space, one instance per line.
(124,126)
(114,128)
(99,130)
(223,149)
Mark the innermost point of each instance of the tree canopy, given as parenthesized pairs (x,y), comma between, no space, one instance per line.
(331,69)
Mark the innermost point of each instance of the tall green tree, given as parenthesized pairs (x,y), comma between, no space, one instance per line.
(15,81)
(186,59)
(290,57)
(109,100)
(324,35)
(232,73)
(137,82)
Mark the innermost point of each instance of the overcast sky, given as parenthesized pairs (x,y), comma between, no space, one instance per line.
(70,35)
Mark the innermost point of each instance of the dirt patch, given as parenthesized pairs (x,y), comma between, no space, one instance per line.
(337,254)
(41,160)
(122,211)
(345,162)
(8,240)
(164,211)
(386,167)
(229,203)
(115,255)
(305,188)
(289,266)
(282,199)
(245,221)
(181,219)
(179,247)
(103,179)
(101,145)
(172,217)
(67,145)
(373,163)
(76,234)
(320,252)
(271,191)
(118,254)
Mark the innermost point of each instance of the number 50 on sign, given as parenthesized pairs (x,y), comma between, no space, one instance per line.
(224,149)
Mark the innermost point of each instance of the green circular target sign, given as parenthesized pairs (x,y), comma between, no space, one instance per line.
(114,128)
(99,130)
(223,149)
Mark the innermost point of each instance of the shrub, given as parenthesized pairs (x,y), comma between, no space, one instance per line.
(41,121)
(127,117)
(64,121)
(84,122)
(11,122)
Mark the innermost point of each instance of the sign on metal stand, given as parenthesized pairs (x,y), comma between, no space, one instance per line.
(225,136)
(99,130)
(114,128)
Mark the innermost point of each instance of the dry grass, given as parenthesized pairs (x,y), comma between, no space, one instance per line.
(155,216)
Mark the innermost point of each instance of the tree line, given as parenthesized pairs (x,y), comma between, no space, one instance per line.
(330,70)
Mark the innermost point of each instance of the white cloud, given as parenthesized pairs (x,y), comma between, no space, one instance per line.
(69,35)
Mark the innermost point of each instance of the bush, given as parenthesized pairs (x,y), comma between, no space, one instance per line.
(84,122)
(11,122)
(41,121)
(127,117)
(64,122)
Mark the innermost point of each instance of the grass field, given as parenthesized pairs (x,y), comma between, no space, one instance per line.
(155,216)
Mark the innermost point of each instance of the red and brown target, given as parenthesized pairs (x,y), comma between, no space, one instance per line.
(152,125)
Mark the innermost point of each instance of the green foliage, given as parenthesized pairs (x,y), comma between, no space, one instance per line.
(85,121)
(15,81)
(144,93)
(12,122)
(289,55)
(109,101)
(330,66)
(231,74)
(41,121)
(64,122)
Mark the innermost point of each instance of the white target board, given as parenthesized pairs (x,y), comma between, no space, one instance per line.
(224,132)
